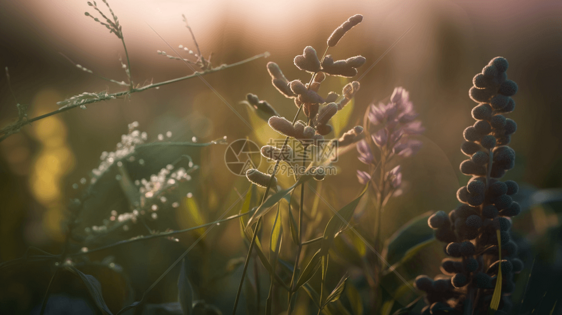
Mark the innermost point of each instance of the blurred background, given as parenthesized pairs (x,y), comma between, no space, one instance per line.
(436,49)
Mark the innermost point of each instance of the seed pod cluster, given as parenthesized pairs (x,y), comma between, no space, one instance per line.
(308,61)
(470,231)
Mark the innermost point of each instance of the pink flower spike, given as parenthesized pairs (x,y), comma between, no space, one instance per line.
(380,138)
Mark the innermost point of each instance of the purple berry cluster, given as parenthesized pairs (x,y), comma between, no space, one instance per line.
(471,230)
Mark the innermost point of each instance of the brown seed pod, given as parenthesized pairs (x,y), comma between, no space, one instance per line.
(332,97)
(351,136)
(337,68)
(299,129)
(278,79)
(323,129)
(260,179)
(326,113)
(263,108)
(344,28)
(308,61)
(308,132)
(282,125)
(305,95)
(277,154)
(320,77)
(356,61)
(310,109)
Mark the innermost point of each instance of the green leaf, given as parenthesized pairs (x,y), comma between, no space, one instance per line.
(274,247)
(274,199)
(94,288)
(338,222)
(354,299)
(185,291)
(496,297)
(408,240)
(245,208)
(293,223)
(195,215)
(336,293)
(309,270)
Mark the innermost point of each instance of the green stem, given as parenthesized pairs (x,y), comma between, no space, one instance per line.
(128,63)
(236,301)
(14,128)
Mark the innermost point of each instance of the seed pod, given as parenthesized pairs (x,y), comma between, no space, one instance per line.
(511,211)
(424,283)
(481,95)
(260,179)
(496,189)
(344,28)
(305,95)
(323,129)
(482,112)
(308,132)
(517,265)
(488,141)
(503,202)
(469,148)
(510,127)
(337,68)
(282,125)
(474,221)
(326,113)
(356,61)
(499,101)
(437,220)
(500,63)
(441,285)
(454,249)
(308,61)
(498,121)
(482,127)
(332,97)
(508,88)
(279,80)
(467,248)
(470,134)
(451,266)
(482,280)
(480,158)
(263,109)
(459,280)
(351,136)
(277,154)
(512,187)
(476,186)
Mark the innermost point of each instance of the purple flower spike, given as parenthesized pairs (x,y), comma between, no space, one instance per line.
(365,154)
(407,148)
(376,114)
(380,138)
(414,128)
(363,177)
(395,176)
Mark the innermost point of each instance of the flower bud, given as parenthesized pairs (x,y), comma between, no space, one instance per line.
(459,280)
(471,264)
(323,129)
(490,211)
(480,158)
(332,97)
(498,121)
(277,154)
(279,80)
(467,249)
(510,127)
(437,220)
(500,63)
(351,136)
(474,221)
(499,101)
(482,127)
(454,249)
(513,210)
(424,283)
(469,148)
(470,134)
(488,142)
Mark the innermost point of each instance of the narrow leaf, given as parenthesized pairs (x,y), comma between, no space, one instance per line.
(274,199)
(309,270)
(94,288)
(408,308)
(496,297)
(338,290)
(404,243)
(354,299)
(185,291)
(338,222)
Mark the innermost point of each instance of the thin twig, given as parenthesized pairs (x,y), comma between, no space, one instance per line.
(14,128)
